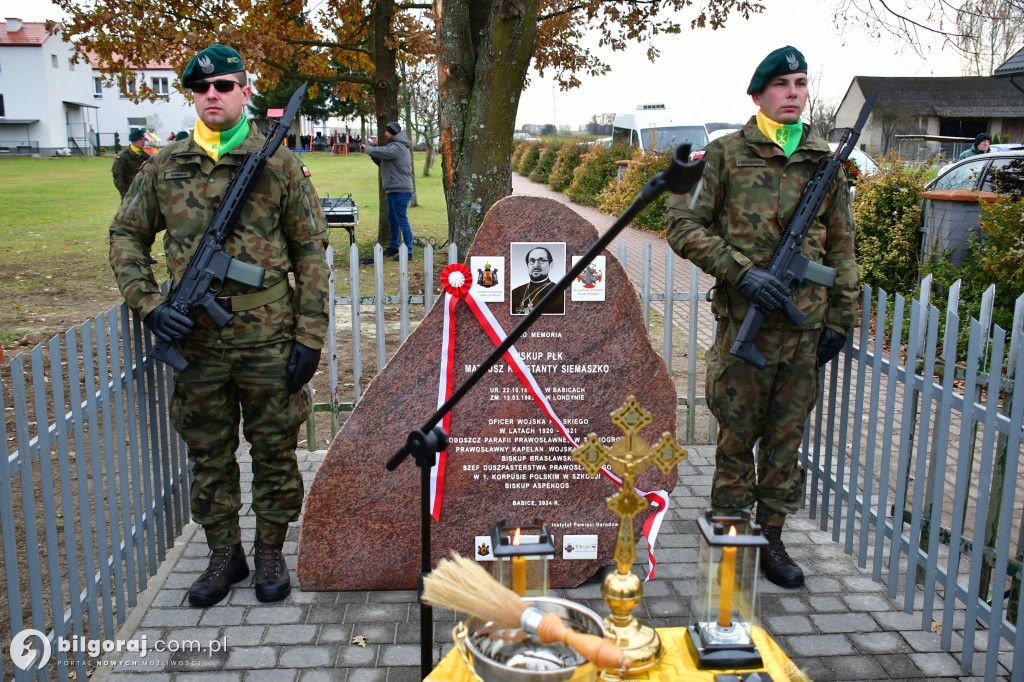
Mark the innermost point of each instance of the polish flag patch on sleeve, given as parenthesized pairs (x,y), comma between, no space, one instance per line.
(305,171)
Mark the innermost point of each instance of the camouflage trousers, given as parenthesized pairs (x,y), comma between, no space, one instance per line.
(770,405)
(218,387)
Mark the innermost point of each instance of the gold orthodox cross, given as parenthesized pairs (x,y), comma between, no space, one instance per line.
(628,457)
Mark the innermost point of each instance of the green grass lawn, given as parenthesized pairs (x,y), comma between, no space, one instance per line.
(56,213)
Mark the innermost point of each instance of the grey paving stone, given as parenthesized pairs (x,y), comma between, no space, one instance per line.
(369,613)
(879,643)
(170,597)
(863,602)
(171,617)
(308,656)
(291,634)
(406,674)
(818,645)
(844,622)
(193,661)
(243,635)
(322,613)
(377,633)
(793,603)
(366,675)
(899,666)
(252,658)
(334,633)
(898,620)
(856,668)
(223,615)
(788,625)
(271,675)
(205,676)
(829,604)
(341,675)
(133,676)
(399,655)
(195,637)
(937,664)
(926,642)
(274,615)
(352,656)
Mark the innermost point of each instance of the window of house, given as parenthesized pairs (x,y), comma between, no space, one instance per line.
(2,105)
(129,89)
(97,88)
(54,61)
(71,63)
(159,86)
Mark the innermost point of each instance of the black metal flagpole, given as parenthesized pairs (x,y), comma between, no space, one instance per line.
(680,176)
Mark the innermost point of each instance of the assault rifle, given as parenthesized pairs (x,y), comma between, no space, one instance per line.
(209,266)
(788,264)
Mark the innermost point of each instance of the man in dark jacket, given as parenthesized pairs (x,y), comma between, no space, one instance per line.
(982,144)
(396,177)
(129,161)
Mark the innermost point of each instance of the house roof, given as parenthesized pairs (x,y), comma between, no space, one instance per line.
(94,60)
(31,34)
(1014,66)
(948,97)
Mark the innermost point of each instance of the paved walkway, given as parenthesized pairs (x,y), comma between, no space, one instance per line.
(840,626)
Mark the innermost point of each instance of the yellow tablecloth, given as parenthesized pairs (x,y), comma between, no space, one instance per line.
(677,665)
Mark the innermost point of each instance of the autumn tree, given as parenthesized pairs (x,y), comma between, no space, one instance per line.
(821,111)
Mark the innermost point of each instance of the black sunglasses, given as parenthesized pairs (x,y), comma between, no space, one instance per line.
(202,87)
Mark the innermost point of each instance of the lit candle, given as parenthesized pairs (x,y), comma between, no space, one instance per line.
(726,578)
(518,570)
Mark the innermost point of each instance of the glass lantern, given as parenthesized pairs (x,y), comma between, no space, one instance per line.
(724,605)
(521,556)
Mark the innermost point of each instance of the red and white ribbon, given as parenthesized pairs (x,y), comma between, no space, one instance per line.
(456,280)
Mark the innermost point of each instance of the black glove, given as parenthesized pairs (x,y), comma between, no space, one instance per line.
(763,289)
(167,323)
(302,364)
(829,344)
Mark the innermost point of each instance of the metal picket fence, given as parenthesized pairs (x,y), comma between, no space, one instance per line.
(93,492)
(914,464)
(914,461)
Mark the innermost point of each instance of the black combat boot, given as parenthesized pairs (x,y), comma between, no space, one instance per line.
(272,581)
(776,564)
(227,566)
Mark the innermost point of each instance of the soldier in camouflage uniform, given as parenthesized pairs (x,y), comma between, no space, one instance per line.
(129,161)
(729,227)
(259,364)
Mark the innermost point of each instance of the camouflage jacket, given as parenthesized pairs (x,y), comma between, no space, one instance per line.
(126,165)
(281,228)
(748,194)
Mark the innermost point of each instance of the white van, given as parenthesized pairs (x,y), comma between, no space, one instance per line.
(652,126)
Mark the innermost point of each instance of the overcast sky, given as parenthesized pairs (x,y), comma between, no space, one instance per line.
(702,71)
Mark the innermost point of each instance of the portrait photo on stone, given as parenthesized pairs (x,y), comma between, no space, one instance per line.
(534,268)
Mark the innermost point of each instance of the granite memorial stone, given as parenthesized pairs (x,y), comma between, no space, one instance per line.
(361,526)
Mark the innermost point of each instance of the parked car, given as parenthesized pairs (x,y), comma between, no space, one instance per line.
(951,210)
(981,173)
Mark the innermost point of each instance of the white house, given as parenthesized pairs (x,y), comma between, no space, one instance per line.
(45,101)
(118,114)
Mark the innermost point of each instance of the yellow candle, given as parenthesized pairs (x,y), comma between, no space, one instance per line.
(726,579)
(519,575)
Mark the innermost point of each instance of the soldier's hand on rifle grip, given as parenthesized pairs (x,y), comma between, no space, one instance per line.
(829,344)
(763,289)
(167,324)
(302,364)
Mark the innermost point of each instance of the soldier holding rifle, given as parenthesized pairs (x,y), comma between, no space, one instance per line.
(730,227)
(255,347)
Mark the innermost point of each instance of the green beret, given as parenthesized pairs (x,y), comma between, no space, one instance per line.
(215,60)
(780,62)
(136,134)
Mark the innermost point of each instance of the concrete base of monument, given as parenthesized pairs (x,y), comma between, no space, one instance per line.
(507,459)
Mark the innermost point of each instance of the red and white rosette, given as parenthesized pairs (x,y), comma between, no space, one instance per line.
(456,280)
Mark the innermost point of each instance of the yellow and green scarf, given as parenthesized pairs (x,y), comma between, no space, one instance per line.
(217,143)
(786,135)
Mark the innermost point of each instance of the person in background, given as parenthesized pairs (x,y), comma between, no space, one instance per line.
(982,142)
(729,227)
(257,366)
(396,176)
(129,161)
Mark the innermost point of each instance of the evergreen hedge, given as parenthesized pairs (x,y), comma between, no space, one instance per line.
(617,197)
(548,156)
(597,171)
(566,162)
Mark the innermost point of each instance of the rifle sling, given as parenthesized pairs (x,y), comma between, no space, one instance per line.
(237,304)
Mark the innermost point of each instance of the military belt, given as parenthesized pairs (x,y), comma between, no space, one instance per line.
(236,304)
